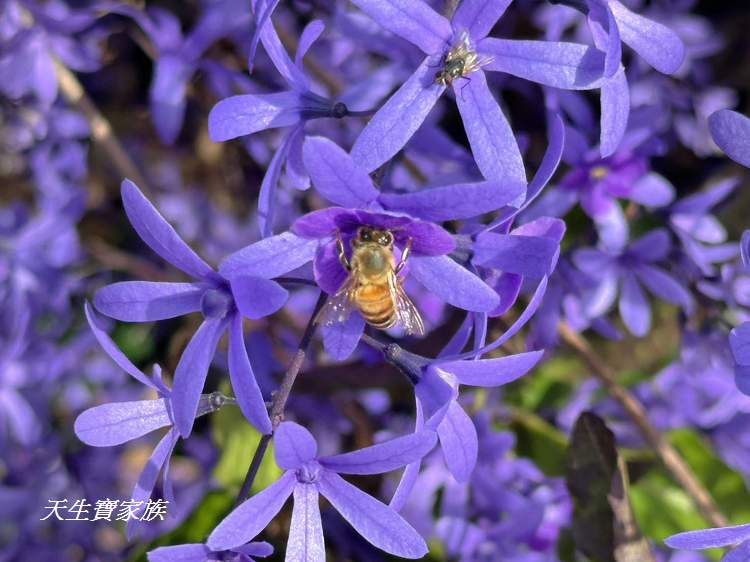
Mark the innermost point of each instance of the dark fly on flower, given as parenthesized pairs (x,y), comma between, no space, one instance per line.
(459,62)
(373,286)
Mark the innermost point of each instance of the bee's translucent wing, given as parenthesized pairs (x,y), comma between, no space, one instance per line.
(406,313)
(339,306)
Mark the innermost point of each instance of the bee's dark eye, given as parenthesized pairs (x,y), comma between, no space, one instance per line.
(365,234)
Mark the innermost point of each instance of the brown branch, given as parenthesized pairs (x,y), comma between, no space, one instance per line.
(667,453)
(101,129)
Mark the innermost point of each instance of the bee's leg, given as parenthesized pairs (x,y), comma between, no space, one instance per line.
(466,84)
(404,256)
(342,251)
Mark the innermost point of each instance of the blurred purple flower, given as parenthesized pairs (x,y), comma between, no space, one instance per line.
(496,152)
(223,304)
(627,270)
(307,476)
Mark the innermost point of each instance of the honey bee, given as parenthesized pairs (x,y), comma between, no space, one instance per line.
(373,286)
(459,62)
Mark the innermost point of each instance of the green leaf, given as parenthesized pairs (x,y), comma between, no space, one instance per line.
(135,341)
(237,440)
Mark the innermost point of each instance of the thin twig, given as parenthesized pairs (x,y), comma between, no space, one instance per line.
(101,129)
(280,398)
(671,458)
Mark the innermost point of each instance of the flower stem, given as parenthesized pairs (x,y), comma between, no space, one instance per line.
(667,453)
(280,398)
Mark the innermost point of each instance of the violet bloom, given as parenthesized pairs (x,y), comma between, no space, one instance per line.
(307,476)
(201,553)
(560,65)
(223,304)
(178,57)
(247,114)
(628,270)
(115,423)
(716,538)
(731,131)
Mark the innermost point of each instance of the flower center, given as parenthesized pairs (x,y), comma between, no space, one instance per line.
(599,172)
(459,62)
(216,303)
(308,473)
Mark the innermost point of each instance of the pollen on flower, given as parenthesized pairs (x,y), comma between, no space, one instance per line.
(308,473)
(599,172)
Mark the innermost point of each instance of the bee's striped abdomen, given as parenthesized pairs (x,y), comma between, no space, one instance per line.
(376,305)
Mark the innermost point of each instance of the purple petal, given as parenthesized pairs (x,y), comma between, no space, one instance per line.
(21,416)
(458,439)
(731,132)
(399,118)
(167,95)
(340,339)
(457,201)
(653,246)
(267,195)
(530,256)
(251,517)
(323,222)
(652,190)
(305,542)
(569,66)
(478,17)
(709,538)
(275,50)
(664,286)
(145,301)
(257,297)
(270,257)
(739,340)
(634,308)
(111,349)
(376,522)
(119,422)
(159,234)
(434,394)
(191,372)
(383,457)
(327,268)
(247,114)
(147,480)
(492,141)
(335,175)
(245,386)
(262,549)
(294,445)
(453,283)
(492,372)
(657,44)
(180,553)
(739,554)
(309,35)
(745,250)
(615,102)
(416,22)
(606,36)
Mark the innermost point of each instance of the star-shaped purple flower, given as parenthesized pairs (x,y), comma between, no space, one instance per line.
(556,64)
(223,304)
(628,270)
(307,476)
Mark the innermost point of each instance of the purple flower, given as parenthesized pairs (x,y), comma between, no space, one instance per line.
(627,270)
(307,476)
(201,553)
(560,65)
(731,131)
(716,538)
(739,340)
(222,304)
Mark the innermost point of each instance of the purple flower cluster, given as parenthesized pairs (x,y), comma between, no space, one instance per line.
(365,270)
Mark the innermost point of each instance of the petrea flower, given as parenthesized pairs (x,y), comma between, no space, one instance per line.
(703,237)
(731,131)
(222,304)
(737,536)
(178,57)
(628,269)
(119,422)
(307,476)
(560,65)
(247,114)
(597,183)
(201,553)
